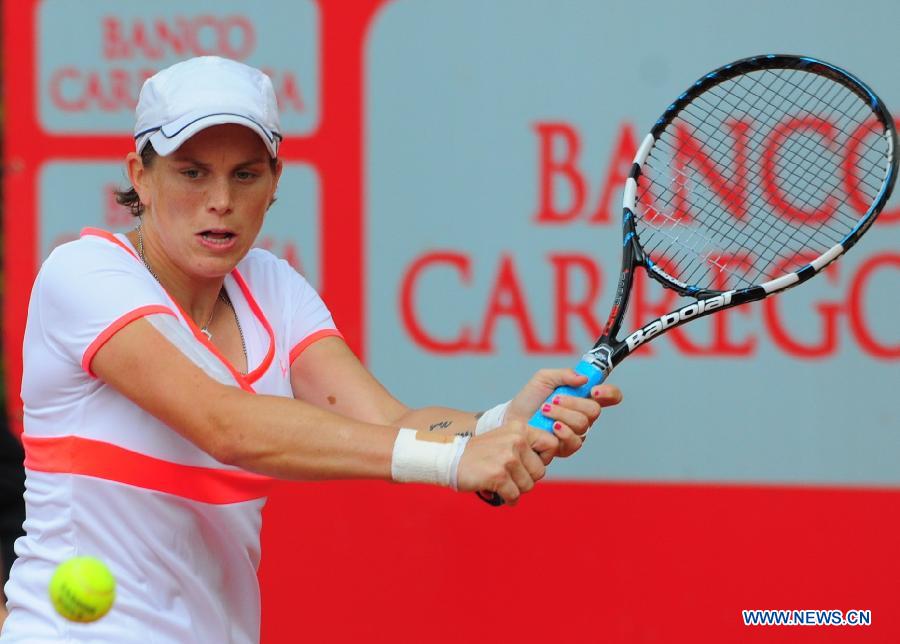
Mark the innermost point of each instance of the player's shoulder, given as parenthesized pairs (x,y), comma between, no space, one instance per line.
(86,254)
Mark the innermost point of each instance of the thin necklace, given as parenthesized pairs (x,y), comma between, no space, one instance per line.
(223,295)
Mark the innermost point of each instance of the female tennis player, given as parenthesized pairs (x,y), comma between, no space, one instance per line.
(170,373)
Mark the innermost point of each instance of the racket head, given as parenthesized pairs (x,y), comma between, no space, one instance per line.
(743,189)
(757,177)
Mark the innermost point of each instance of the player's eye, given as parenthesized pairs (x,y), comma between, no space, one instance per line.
(245,175)
(190,173)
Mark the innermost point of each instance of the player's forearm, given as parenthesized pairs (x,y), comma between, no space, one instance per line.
(285,438)
(439,420)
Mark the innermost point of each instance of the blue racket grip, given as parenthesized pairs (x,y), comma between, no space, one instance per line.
(595,377)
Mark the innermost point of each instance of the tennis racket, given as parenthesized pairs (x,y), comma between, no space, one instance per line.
(760,175)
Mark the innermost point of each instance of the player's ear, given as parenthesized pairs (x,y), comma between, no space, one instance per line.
(138,176)
(279,166)
(276,171)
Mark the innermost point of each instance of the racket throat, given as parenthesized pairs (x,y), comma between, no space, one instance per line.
(601,358)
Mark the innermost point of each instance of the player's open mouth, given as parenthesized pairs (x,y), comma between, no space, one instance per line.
(218,240)
(217,237)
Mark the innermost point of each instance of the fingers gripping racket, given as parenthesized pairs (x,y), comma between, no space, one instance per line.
(754,180)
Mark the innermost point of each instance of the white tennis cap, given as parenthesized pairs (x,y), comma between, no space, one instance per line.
(195,94)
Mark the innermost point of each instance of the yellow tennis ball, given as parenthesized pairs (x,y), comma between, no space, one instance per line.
(82,589)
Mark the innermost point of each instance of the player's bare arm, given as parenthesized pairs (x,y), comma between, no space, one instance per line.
(287,438)
(348,388)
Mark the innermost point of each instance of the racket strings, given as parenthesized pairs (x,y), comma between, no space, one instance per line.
(714,261)
(754,226)
(849,96)
(749,222)
(798,183)
(780,227)
(720,221)
(716,227)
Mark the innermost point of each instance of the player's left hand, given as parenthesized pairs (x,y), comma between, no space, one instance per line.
(574,415)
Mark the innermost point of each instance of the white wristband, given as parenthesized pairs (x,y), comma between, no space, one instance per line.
(430,460)
(460,443)
(491,419)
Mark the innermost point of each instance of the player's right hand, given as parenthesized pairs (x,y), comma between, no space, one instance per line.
(505,461)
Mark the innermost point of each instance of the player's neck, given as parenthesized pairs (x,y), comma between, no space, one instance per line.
(197,297)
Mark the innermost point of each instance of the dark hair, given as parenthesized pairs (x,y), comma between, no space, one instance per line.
(129,197)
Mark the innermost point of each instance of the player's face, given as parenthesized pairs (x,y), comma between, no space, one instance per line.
(207,200)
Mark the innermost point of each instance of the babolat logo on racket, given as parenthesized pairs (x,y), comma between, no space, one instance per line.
(677,317)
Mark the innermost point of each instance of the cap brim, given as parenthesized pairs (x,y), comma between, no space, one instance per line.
(170,137)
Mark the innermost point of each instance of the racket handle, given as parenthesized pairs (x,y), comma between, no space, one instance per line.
(491,498)
(594,375)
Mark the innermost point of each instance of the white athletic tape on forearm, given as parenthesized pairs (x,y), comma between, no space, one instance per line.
(491,419)
(426,461)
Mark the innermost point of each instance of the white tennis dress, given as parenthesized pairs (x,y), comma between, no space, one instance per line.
(178,529)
